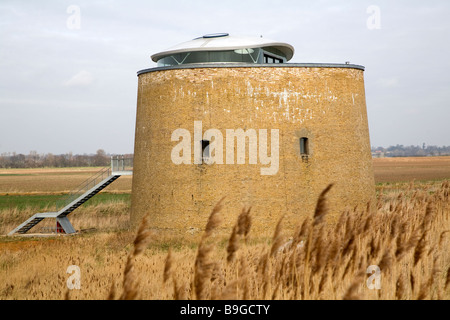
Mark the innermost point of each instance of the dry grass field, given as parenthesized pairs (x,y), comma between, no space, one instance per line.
(407,169)
(406,235)
(52,180)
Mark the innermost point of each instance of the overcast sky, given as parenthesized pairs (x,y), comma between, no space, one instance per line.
(70,85)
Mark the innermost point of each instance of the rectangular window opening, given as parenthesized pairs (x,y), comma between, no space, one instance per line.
(304,146)
(205,150)
(271,59)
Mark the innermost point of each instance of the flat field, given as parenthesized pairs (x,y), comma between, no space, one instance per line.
(408,169)
(53,181)
(406,236)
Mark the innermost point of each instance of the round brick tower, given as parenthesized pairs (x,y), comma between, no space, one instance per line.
(229,117)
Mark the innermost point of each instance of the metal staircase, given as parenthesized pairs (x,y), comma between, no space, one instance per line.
(119,166)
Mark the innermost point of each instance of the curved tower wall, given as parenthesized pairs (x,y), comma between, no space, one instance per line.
(323,103)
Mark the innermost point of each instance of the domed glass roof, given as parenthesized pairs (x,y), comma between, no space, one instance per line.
(221,47)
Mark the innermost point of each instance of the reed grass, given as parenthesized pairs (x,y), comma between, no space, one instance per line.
(406,234)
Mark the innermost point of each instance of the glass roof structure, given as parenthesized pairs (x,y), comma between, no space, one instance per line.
(223,48)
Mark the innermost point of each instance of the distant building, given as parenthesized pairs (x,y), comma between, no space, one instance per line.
(378,154)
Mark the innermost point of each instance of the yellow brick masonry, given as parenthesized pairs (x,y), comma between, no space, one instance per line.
(327,105)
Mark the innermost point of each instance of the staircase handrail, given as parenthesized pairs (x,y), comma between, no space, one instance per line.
(84,186)
(121,163)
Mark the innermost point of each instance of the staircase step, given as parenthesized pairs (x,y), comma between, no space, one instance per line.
(83,198)
(30,225)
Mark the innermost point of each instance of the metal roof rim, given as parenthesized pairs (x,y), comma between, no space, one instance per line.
(250,65)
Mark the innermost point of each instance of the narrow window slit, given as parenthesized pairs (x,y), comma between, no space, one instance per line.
(304,146)
(205,151)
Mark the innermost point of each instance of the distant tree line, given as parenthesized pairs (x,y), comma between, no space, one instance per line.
(411,151)
(35,160)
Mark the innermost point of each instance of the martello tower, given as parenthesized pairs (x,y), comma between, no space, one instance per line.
(225,116)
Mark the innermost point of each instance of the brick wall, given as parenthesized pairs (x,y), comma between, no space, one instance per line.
(326,105)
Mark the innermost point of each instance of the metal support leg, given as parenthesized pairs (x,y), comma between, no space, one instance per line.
(66,225)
